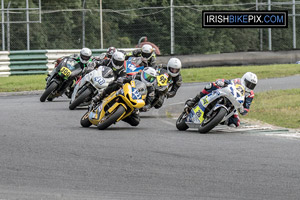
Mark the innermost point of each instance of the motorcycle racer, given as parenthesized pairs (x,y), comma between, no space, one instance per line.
(84,60)
(249,81)
(147,53)
(147,76)
(173,70)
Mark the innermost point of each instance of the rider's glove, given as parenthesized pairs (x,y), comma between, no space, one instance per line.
(220,83)
(120,81)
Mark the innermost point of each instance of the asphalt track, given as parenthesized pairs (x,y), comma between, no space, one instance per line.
(46,154)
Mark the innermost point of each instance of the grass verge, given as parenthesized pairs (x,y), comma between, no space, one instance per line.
(279,107)
(22,83)
(262,71)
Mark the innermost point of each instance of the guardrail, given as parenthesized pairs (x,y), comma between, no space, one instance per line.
(42,61)
(36,61)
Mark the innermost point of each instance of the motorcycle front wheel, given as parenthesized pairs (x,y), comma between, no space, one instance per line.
(48,91)
(80,99)
(180,123)
(111,118)
(214,121)
(84,121)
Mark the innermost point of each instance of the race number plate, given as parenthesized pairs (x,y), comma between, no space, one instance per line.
(162,79)
(65,71)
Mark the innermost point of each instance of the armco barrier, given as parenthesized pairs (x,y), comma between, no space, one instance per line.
(28,62)
(4,64)
(41,61)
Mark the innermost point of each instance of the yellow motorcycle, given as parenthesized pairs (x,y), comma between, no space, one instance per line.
(117,106)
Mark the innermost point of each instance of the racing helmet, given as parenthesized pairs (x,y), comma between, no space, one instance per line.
(147,51)
(110,51)
(141,88)
(249,80)
(117,60)
(85,55)
(174,66)
(148,76)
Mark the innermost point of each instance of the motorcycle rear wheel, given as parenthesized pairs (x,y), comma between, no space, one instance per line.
(111,118)
(48,91)
(213,122)
(80,99)
(180,123)
(84,121)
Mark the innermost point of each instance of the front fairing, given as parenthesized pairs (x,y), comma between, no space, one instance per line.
(197,114)
(98,81)
(69,69)
(133,66)
(127,96)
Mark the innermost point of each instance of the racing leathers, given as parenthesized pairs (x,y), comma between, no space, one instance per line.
(175,83)
(233,121)
(147,62)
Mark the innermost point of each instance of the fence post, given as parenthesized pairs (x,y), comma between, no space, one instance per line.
(270,34)
(3,28)
(172,26)
(294,24)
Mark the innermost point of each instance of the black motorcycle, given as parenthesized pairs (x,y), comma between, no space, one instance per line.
(66,74)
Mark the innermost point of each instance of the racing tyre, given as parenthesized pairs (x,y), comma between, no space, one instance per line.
(111,118)
(84,121)
(214,121)
(80,99)
(48,91)
(180,123)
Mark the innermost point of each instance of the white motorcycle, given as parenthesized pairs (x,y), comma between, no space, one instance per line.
(213,109)
(90,85)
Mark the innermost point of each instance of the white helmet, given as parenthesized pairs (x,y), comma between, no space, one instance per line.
(118,60)
(85,55)
(174,66)
(148,76)
(147,51)
(249,80)
(110,51)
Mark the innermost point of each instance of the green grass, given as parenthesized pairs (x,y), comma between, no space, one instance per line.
(263,71)
(280,108)
(22,83)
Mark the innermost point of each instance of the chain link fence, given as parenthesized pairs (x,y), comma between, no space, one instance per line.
(74,24)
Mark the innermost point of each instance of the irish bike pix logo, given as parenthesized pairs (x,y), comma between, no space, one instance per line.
(245,19)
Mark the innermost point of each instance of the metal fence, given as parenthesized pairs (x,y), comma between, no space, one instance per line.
(74,24)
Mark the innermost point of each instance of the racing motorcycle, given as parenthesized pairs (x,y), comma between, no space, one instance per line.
(67,73)
(89,86)
(161,88)
(117,106)
(212,109)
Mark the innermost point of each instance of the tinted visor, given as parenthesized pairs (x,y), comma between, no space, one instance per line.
(118,63)
(85,57)
(146,55)
(249,85)
(173,70)
(148,77)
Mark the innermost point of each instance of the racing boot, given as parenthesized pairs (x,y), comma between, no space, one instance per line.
(191,102)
